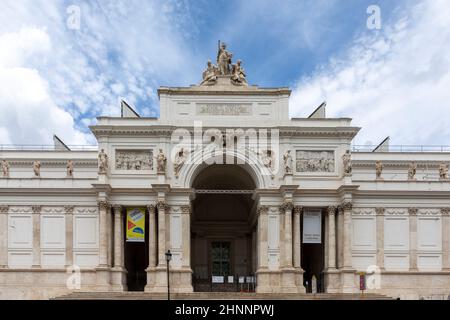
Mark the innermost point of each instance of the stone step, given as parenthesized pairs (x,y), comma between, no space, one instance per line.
(219,296)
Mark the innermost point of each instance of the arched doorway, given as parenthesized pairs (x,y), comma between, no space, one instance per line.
(223,229)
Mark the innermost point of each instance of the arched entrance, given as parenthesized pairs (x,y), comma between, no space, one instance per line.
(223,229)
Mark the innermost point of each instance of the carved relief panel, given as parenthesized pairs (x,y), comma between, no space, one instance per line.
(315,161)
(134,160)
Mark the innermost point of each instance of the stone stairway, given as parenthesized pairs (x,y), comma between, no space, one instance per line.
(219,296)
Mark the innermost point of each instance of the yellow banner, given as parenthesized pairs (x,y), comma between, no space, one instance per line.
(136,224)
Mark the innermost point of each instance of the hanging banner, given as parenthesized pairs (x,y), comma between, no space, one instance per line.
(136,224)
(312,226)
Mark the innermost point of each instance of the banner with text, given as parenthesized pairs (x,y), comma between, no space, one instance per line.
(312,226)
(136,224)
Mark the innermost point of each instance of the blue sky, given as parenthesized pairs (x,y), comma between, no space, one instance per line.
(56,77)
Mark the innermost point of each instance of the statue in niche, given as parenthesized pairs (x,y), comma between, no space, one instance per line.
(161,160)
(443,171)
(224,59)
(287,162)
(102,162)
(210,74)
(378,169)
(69,168)
(180,158)
(412,171)
(347,161)
(238,74)
(5,168)
(37,168)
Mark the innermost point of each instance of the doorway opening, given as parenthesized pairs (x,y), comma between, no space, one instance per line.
(223,231)
(313,259)
(136,258)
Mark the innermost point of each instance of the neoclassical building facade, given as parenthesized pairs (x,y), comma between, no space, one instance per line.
(243,196)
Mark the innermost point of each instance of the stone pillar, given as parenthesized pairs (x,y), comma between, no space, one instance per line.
(412,239)
(118,238)
(331,263)
(286,209)
(186,235)
(162,208)
(69,235)
(347,235)
(297,237)
(103,243)
(380,237)
(152,244)
(445,216)
(262,236)
(3,236)
(36,236)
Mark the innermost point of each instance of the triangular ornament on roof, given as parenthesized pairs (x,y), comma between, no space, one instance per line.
(126,111)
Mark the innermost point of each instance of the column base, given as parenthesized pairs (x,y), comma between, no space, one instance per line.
(103,281)
(180,280)
(286,280)
(332,280)
(118,279)
(348,281)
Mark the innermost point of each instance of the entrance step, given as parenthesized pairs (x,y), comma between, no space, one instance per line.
(219,296)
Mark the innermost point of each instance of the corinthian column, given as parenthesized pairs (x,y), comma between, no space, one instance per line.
(118,238)
(103,207)
(380,237)
(69,235)
(445,215)
(186,235)
(3,236)
(296,237)
(36,236)
(162,208)
(412,239)
(286,208)
(152,245)
(346,207)
(331,238)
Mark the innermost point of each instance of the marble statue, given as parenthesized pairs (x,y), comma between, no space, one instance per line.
(5,168)
(238,74)
(224,59)
(37,168)
(161,160)
(443,171)
(102,162)
(210,74)
(69,168)
(287,162)
(378,169)
(412,171)
(180,158)
(347,161)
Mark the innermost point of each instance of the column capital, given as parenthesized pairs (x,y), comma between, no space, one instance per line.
(69,209)
(380,211)
(117,208)
(262,210)
(151,208)
(445,211)
(412,211)
(286,205)
(345,206)
(103,204)
(186,209)
(36,208)
(161,205)
(331,210)
(298,209)
(4,208)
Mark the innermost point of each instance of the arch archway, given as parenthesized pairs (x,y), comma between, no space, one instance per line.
(223,231)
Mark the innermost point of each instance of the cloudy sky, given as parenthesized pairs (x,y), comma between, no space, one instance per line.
(58,72)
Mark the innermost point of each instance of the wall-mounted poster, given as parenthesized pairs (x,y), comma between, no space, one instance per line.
(136,224)
(312,226)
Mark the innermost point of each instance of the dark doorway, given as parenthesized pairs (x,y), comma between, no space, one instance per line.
(136,259)
(313,259)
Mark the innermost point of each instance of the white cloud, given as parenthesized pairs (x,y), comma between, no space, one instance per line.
(393,82)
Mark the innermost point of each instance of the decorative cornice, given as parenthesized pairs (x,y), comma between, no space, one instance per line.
(69,209)
(36,208)
(286,206)
(54,163)
(412,211)
(4,208)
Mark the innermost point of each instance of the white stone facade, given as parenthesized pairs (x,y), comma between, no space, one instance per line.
(395,226)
